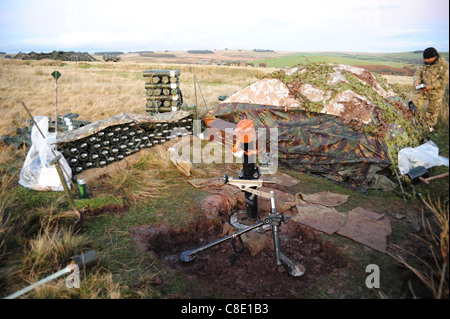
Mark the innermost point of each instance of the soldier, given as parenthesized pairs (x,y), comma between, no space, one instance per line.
(433,75)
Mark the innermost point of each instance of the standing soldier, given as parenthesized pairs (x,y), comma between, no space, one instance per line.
(430,80)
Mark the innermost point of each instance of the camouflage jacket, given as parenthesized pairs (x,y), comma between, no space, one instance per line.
(434,75)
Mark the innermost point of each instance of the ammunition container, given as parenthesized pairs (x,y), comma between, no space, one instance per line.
(163,93)
(87,165)
(104,152)
(116,142)
(155,79)
(91,140)
(84,156)
(96,146)
(174,97)
(93,157)
(73,150)
(150,86)
(117,129)
(160,109)
(77,169)
(72,161)
(101,163)
(153,104)
(170,73)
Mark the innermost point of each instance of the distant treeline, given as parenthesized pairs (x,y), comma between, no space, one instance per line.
(151,54)
(110,53)
(200,51)
(262,50)
(141,52)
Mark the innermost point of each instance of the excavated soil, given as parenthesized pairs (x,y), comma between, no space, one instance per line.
(250,276)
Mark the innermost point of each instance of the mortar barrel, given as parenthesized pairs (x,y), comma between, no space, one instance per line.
(165,79)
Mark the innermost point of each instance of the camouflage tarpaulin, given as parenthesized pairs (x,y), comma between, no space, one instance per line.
(339,121)
(123,118)
(316,143)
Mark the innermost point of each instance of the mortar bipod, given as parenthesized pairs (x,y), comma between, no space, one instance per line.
(274,219)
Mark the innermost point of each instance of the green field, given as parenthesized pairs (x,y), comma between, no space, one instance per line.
(395,60)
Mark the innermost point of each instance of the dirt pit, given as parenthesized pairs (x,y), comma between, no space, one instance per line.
(250,276)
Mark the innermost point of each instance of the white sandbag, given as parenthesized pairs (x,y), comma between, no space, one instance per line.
(36,172)
(426,155)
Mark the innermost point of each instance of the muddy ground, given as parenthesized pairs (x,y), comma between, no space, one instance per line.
(250,276)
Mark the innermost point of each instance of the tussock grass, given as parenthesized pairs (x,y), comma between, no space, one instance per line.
(433,271)
(52,248)
(134,178)
(47,253)
(99,285)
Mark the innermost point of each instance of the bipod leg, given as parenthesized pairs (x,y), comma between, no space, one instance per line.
(274,219)
(236,252)
(189,255)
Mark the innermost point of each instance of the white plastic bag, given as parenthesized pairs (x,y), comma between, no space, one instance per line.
(37,173)
(426,155)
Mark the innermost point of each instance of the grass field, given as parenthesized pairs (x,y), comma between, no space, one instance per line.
(401,60)
(35,227)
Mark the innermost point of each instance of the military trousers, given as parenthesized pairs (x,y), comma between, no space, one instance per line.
(430,114)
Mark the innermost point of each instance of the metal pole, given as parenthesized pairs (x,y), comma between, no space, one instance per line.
(55,162)
(195,90)
(56,108)
(40,282)
(190,255)
(83,260)
(201,93)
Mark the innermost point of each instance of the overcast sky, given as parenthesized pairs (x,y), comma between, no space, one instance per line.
(180,25)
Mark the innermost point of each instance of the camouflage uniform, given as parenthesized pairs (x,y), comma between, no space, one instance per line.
(435,76)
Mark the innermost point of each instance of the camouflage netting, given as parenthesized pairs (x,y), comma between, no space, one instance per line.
(339,121)
(56,55)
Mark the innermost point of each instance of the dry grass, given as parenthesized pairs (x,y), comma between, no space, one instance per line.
(53,246)
(99,285)
(433,272)
(97,90)
(134,178)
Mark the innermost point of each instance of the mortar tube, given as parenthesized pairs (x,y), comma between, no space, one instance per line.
(249,169)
